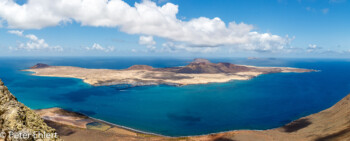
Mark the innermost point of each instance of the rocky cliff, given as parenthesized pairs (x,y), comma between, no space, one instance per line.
(18,122)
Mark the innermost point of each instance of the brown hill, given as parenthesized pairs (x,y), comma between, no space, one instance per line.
(205,66)
(198,66)
(18,118)
(39,65)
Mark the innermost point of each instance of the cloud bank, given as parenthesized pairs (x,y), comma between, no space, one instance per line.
(145,18)
(34,43)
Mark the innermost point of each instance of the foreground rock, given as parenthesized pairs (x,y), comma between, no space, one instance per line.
(16,118)
(200,71)
(332,124)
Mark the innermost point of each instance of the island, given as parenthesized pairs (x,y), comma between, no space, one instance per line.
(200,71)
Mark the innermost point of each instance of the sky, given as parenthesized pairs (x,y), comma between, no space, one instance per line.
(176,28)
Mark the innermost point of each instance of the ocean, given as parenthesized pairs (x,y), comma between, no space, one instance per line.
(265,102)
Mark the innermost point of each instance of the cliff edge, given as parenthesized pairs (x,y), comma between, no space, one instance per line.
(19,123)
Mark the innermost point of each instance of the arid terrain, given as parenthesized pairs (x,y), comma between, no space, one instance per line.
(16,118)
(200,71)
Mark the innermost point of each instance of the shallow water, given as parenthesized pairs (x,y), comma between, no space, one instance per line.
(267,101)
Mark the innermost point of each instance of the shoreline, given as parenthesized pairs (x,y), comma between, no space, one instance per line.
(329,123)
(205,134)
(150,133)
(128,128)
(142,75)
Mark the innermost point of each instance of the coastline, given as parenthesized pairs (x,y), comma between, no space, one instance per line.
(130,129)
(150,133)
(315,126)
(142,75)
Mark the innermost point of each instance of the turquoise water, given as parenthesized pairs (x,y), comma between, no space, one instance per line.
(267,101)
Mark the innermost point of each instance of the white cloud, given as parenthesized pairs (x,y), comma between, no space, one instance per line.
(33,43)
(266,43)
(98,47)
(312,48)
(16,32)
(147,40)
(144,18)
(151,49)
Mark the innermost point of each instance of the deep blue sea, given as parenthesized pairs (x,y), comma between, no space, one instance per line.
(267,101)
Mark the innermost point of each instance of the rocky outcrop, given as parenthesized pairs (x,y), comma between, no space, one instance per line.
(39,65)
(200,66)
(18,122)
(212,68)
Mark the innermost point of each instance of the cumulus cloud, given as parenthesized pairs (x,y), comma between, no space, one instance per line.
(147,40)
(145,18)
(98,47)
(16,32)
(33,43)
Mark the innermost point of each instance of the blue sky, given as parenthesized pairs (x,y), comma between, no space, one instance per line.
(274,28)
